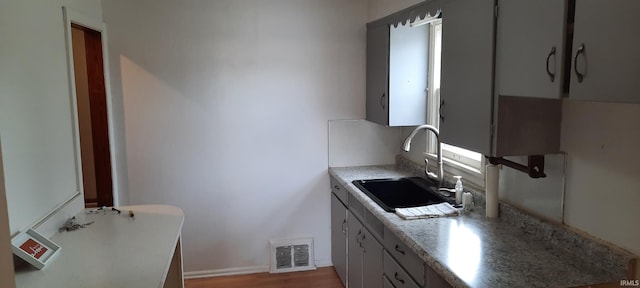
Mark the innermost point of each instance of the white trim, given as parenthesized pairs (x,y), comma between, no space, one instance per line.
(71,16)
(241,270)
(433,92)
(471,177)
(324,263)
(457,154)
(226,272)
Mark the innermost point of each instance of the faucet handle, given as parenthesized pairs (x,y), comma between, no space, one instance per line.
(426,170)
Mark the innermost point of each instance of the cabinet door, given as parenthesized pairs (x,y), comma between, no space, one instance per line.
(408,66)
(372,261)
(530,43)
(606,61)
(377,73)
(467,73)
(339,238)
(355,251)
(387,283)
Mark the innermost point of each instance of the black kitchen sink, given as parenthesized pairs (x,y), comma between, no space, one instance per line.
(401,192)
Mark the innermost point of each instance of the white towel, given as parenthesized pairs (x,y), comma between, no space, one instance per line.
(443,209)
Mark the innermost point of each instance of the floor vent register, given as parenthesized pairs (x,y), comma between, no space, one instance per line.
(289,255)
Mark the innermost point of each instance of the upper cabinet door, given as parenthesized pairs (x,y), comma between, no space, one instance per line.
(378,73)
(606,58)
(408,66)
(530,48)
(467,74)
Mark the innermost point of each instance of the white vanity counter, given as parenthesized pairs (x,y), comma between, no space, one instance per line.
(115,251)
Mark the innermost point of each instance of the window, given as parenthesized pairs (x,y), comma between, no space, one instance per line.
(463,162)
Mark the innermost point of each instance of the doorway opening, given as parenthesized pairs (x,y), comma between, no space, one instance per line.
(93,122)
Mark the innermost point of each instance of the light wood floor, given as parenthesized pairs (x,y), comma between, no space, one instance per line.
(324,277)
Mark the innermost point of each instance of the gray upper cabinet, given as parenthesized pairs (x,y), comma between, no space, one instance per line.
(605,59)
(467,74)
(530,48)
(397,65)
(518,118)
(378,73)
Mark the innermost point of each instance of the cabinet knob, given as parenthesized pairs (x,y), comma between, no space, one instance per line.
(579,75)
(552,76)
(399,250)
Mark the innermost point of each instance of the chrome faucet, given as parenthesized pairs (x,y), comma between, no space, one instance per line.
(407,146)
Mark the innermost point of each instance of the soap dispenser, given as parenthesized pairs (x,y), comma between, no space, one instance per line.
(458,189)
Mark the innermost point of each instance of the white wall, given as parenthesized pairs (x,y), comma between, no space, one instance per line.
(380,8)
(226,106)
(360,142)
(603,170)
(542,196)
(35,114)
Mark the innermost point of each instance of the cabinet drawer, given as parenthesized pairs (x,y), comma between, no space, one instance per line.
(374,225)
(339,190)
(356,207)
(386,283)
(396,275)
(405,256)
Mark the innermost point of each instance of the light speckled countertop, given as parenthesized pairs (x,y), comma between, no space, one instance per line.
(475,251)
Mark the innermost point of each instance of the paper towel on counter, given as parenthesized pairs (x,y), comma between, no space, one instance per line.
(431,211)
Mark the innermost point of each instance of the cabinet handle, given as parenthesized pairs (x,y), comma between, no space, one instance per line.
(579,75)
(440,110)
(398,278)
(552,76)
(382,100)
(344,226)
(358,238)
(337,187)
(399,250)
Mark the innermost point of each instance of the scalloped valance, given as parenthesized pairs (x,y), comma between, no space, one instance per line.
(427,9)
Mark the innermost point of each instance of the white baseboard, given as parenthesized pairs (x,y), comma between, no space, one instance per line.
(226,272)
(240,271)
(323,263)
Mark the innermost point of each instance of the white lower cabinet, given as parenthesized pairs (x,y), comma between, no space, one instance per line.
(398,276)
(339,237)
(372,261)
(365,256)
(409,261)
